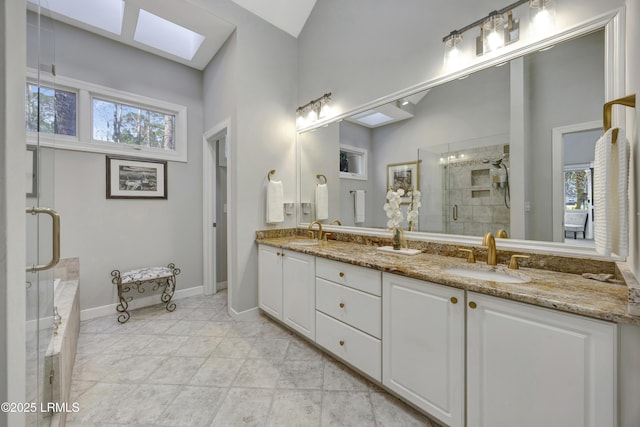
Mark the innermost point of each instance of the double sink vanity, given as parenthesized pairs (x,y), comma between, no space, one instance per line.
(467,344)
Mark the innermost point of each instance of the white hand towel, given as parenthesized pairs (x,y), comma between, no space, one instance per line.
(275,202)
(359,206)
(322,202)
(611,181)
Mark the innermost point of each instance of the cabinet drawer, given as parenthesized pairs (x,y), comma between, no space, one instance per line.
(354,347)
(363,279)
(358,309)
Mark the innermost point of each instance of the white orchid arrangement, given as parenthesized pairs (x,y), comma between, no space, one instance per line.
(394,213)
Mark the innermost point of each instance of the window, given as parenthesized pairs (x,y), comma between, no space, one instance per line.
(76,115)
(126,124)
(50,110)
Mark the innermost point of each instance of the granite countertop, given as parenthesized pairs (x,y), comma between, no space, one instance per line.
(561,291)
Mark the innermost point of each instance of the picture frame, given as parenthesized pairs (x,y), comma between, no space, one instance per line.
(31,171)
(136,178)
(403,175)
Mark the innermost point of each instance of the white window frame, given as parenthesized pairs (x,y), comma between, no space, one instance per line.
(83,141)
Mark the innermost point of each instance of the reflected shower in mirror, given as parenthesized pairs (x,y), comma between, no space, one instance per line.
(482,146)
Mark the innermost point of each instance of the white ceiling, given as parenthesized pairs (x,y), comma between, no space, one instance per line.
(118,20)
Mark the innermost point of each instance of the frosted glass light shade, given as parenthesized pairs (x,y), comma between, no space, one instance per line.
(542,17)
(493,33)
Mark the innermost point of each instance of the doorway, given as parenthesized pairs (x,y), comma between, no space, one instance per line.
(573,151)
(215,210)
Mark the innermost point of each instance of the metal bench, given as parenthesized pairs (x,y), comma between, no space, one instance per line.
(575,222)
(160,276)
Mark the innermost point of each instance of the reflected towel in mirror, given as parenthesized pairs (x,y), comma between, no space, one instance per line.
(359,206)
(275,202)
(322,202)
(611,178)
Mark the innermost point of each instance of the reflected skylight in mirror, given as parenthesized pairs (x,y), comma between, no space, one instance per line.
(104,14)
(167,36)
(372,118)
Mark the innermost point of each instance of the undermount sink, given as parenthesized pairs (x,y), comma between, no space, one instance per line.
(305,242)
(488,274)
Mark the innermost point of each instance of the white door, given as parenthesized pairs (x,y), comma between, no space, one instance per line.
(423,345)
(530,367)
(270,280)
(299,292)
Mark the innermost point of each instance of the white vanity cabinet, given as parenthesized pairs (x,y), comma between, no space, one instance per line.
(531,366)
(286,287)
(423,345)
(348,314)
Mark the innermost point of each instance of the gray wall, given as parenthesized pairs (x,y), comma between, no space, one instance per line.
(252,81)
(633,117)
(111,234)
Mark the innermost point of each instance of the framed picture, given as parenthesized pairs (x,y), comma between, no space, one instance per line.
(403,175)
(134,178)
(32,171)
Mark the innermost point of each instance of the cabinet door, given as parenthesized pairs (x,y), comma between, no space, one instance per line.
(423,345)
(530,366)
(270,280)
(299,292)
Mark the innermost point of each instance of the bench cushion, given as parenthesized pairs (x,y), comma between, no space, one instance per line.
(147,273)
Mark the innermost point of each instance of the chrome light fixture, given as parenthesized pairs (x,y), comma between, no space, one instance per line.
(498,29)
(313,110)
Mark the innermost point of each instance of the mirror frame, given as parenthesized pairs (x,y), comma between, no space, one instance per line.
(613,24)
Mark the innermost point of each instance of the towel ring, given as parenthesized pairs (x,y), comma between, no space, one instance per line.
(271,172)
(627,101)
(322,176)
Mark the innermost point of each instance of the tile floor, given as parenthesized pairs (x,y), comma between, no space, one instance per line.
(199,367)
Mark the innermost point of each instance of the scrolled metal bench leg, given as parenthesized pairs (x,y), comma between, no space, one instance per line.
(123,306)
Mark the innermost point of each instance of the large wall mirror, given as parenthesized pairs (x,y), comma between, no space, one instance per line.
(509,146)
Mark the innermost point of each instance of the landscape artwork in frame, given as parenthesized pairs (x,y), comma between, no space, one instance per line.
(134,178)
(403,175)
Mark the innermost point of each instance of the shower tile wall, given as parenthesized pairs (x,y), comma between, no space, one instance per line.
(481,208)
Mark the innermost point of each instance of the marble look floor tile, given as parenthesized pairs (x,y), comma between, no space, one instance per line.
(130,344)
(185,327)
(269,349)
(390,412)
(260,373)
(215,329)
(301,350)
(93,367)
(101,403)
(133,369)
(273,330)
(244,329)
(234,347)
(198,346)
(222,316)
(176,370)
(346,408)
(200,314)
(339,377)
(156,327)
(244,407)
(163,345)
(193,407)
(295,408)
(78,388)
(191,302)
(96,343)
(217,372)
(144,403)
(301,374)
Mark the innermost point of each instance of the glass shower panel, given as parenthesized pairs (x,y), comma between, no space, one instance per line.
(39,287)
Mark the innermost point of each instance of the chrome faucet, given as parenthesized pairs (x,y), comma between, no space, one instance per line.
(490,242)
(319,236)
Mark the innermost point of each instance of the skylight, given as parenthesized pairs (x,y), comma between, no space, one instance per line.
(372,118)
(164,35)
(104,14)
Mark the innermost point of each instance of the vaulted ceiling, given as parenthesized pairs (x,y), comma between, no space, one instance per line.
(175,29)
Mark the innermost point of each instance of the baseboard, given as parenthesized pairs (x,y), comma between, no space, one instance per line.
(221,285)
(252,313)
(108,310)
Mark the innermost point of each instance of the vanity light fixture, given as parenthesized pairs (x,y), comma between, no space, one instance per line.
(498,29)
(313,110)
